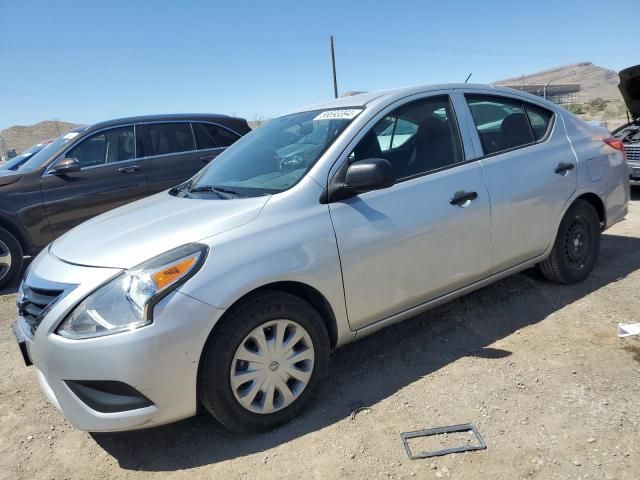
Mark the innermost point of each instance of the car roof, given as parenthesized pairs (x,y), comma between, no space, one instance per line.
(174,117)
(391,95)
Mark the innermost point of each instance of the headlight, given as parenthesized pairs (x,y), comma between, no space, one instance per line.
(126,302)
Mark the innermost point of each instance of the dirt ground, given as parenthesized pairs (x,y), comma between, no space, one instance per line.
(537,367)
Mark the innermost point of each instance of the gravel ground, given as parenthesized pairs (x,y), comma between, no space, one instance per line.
(536,367)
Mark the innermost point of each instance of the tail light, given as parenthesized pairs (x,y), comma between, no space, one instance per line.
(614,143)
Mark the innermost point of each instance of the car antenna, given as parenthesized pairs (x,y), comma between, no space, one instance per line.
(468,77)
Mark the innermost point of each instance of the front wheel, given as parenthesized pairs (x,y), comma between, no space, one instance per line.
(576,247)
(11,258)
(264,362)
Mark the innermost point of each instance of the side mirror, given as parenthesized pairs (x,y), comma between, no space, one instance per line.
(66,165)
(369,174)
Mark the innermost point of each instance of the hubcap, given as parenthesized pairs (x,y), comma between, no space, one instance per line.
(5,260)
(578,243)
(272,366)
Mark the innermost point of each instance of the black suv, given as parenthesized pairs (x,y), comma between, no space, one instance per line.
(90,170)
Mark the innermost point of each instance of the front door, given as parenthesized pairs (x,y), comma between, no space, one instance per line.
(427,235)
(110,177)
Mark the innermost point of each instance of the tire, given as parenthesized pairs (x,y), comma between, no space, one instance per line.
(271,314)
(576,247)
(11,258)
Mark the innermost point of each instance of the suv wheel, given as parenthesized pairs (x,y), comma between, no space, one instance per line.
(11,258)
(263,363)
(577,245)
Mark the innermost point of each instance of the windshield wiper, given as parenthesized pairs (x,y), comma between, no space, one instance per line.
(222,192)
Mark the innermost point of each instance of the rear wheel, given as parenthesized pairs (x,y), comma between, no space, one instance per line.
(576,247)
(11,258)
(264,362)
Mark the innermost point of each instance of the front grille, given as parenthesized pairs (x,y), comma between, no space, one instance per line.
(633,153)
(33,304)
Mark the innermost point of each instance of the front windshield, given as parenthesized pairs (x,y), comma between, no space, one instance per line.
(274,157)
(43,155)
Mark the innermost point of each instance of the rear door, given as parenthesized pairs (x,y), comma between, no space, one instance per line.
(171,154)
(111,176)
(212,139)
(530,171)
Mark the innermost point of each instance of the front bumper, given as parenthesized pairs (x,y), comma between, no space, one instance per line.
(160,360)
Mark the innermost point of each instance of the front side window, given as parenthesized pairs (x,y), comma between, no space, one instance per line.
(166,138)
(212,136)
(272,158)
(419,137)
(115,145)
(504,123)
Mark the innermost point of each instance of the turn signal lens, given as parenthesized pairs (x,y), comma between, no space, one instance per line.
(167,276)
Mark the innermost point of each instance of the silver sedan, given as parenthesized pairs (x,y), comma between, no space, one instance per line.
(316,229)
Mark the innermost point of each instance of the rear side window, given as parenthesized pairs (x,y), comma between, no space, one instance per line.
(540,119)
(115,145)
(212,136)
(166,138)
(504,123)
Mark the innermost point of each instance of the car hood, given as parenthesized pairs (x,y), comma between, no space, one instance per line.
(129,235)
(630,88)
(7,177)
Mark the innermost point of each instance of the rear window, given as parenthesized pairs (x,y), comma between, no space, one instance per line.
(166,138)
(212,136)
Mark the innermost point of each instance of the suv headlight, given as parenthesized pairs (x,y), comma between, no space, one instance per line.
(126,302)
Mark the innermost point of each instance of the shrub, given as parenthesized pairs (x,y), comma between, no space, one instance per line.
(598,104)
(575,108)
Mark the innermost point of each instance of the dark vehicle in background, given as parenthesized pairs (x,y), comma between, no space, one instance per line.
(629,133)
(16,162)
(90,170)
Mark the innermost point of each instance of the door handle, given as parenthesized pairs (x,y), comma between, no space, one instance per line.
(563,168)
(207,158)
(463,199)
(129,169)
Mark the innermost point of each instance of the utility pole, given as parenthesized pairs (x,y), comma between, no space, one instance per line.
(333,65)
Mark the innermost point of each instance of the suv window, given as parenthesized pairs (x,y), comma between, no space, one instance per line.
(212,136)
(166,138)
(504,123)
(416,138)
(115,145)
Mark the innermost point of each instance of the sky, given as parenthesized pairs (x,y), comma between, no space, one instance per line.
(87,61)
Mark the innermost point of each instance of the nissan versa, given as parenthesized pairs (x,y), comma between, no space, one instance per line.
(314,230)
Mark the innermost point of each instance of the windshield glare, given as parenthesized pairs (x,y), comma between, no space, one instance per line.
(43,155)
(275,156)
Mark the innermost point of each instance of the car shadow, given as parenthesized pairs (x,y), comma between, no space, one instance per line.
(376,367)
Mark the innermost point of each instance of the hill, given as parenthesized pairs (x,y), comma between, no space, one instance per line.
(594,81)
(20,137)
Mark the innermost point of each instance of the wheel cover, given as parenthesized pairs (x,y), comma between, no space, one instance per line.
(577,245)
(5,260)
(272,366)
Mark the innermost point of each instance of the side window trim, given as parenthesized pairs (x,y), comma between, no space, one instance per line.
(147,157)
(91,135)
(232,132)
(466,144)
(474,131)
(195,144)
(455,124)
